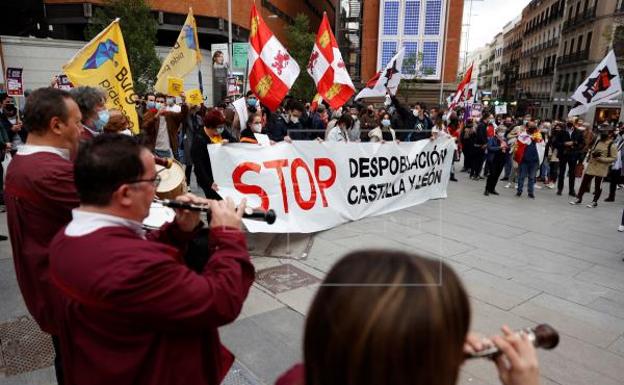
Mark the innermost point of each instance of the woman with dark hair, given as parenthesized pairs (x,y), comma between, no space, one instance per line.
(214,132)
(384,132)
(383,317)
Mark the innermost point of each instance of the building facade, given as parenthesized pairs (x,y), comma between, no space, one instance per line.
(539,53)
(67,19)
(497,62)
(586,37)
(552,48)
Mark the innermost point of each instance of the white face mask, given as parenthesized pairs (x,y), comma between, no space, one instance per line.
(385,123)
(256,127)
(294,119)
(354,117)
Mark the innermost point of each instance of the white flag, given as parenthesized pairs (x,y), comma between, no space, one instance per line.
(601,85)
(389,78)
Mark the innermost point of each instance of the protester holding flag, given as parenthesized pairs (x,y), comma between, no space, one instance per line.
(602,154)
(288,127)
(161,127)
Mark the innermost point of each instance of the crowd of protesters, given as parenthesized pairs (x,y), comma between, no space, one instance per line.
(124,306)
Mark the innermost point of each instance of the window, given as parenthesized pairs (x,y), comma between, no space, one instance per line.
(579,43)
(432,17)
(391,18)
(583,76)
(411,57)
(388,50)
(573,84)
(571,45)
(588,41)
(430,57)
(412,17)
(566,83)
(565,48)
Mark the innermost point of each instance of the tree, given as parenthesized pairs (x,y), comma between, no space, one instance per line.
(139,32)
(300,45)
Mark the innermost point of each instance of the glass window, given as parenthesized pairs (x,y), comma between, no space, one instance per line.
(430,57)
(391,18)
(412,17)
(433,15)
(411,57)
(388,50)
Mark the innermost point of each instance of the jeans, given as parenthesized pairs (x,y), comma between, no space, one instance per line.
(527,169)
(508,165)
(544,170)
(163,153)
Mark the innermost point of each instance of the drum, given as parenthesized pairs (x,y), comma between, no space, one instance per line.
(158,216)
(173,181)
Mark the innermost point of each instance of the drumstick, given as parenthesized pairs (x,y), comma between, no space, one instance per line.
(165,162)
(260,215)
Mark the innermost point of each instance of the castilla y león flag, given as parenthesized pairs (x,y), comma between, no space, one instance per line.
(272,71)
(328,69)
(601,85)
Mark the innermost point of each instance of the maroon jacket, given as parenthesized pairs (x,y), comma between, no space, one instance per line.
(39,195)
(132,313)
(294,376)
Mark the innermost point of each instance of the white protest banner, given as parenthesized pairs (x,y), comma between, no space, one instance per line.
(315,186)
(501,110)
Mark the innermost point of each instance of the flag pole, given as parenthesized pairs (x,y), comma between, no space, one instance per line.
(229,37)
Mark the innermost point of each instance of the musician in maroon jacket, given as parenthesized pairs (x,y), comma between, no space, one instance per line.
(130,311)
(40,195)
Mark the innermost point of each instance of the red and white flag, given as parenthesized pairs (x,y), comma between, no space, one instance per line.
(387,79)
(328,69)
(461,88)
(272,71)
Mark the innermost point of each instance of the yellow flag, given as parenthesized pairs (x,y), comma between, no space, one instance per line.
(183,57)
(103,63)
(194,97)
(175,86)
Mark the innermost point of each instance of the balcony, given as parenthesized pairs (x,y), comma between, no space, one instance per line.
(573,58)
(580,19)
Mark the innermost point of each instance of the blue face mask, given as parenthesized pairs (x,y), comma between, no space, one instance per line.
(251,102)
(150,105)
(102,119)
(158,105)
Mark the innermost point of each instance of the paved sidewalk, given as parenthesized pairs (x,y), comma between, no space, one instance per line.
(523,261)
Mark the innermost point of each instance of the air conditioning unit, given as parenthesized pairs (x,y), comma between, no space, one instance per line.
(161,17)
(87,9)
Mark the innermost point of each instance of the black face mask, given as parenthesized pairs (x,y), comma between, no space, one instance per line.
(604,136)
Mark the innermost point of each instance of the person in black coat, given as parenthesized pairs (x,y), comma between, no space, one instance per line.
(213,132)
(569,143)
(415,121)
(480,144)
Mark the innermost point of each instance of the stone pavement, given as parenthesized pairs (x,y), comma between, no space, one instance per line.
(523,262)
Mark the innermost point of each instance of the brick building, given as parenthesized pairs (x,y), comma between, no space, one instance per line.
(67,19)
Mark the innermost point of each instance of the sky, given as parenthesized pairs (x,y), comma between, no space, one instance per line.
(488,18)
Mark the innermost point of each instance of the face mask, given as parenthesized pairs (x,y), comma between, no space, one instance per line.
(604,136)
(294,119)
(256,127)
(150,105)
(385,123)
(415,112)
(354,117)
(220,130)
(158,105)
(251,102)
(102,119)
(170,101)
(492,121)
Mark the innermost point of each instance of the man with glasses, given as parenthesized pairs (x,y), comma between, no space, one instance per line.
(130,311)
(39,195)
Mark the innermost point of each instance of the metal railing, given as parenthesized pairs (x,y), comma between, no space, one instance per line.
(579,19)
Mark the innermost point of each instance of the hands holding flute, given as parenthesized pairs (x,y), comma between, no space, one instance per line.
(517,364)
(223,213)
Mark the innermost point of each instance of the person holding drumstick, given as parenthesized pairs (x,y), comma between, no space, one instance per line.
(129,310)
